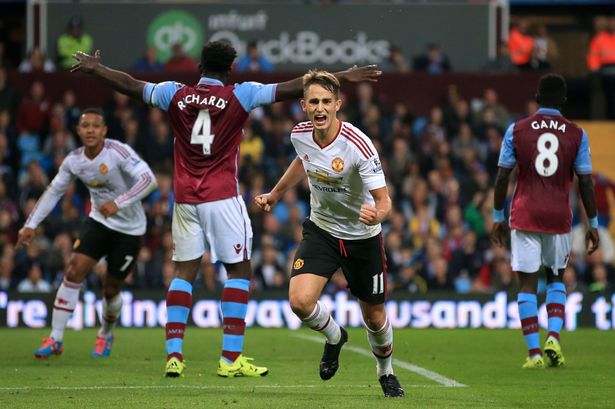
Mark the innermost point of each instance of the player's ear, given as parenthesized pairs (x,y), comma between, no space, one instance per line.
(338,104)
(303,105)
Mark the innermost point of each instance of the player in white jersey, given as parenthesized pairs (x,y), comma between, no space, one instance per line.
(349,200)
(117,180)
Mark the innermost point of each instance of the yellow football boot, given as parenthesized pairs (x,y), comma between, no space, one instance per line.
(241,367)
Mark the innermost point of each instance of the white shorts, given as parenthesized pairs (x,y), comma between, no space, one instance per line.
(221,227)
(530,250)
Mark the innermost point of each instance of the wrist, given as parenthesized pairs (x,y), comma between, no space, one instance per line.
(593,222)
(498,216)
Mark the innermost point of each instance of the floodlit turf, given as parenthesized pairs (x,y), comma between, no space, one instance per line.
(487,362)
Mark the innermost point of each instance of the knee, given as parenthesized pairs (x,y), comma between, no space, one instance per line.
(375,318)
(110,291)
(72,272)
(301,305)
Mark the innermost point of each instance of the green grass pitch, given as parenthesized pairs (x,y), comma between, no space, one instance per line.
(438,369)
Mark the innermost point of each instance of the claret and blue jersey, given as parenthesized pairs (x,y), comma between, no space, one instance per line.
(547,150)
(207,121)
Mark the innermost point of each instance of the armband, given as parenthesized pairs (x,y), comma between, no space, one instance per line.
(498,216)
(593,222)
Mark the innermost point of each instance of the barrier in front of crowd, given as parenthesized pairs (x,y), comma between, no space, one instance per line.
(271,310)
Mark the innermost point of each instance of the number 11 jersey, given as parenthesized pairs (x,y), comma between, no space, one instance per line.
(547,149)
(207,121)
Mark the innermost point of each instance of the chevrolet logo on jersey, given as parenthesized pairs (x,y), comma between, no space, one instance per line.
(96,184)
(324,177)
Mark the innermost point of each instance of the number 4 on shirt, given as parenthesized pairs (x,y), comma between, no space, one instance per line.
(201,132)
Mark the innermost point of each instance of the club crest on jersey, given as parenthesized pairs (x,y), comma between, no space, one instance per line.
(103,169)
(337,164)
(298,264)
(306,157)
(237,248)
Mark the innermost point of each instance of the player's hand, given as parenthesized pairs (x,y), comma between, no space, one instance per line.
(368,215)
(85,62)
(498,234)
(108,208)
(266,201)
(25,237)
(369,73)
(592,240)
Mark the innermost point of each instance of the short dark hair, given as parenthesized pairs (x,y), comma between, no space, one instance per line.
(94,110)
(551,91)
(217,57)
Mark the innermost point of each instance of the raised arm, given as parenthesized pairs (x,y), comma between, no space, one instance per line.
(293,175)
(45,205)
(293,89)
(118,80)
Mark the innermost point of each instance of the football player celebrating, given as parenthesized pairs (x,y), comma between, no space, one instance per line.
(209,212)
(349,200)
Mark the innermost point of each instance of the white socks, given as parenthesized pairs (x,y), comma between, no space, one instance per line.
(63,307)
(110,314)
(321,320)
(381,342)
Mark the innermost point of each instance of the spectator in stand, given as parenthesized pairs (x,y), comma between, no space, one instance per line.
(602,186)
(8,95)
(33,113)
(502,62)
(6,273)
(148,62)
(433,61)
(601,60)
(253,60)
(545,49)
(269,270)
(37,61)
(521,45)
(179,61)
(34,282)
(73,112)
(571,281)
(72,41)
(600,280)
(396,61)
(491,101)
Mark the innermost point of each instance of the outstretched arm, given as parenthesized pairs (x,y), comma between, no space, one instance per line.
(498,231)
(293,89)
(45,205)
(118,80)
(293,175)
(586,190)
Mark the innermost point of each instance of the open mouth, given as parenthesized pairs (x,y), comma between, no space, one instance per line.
(320,120)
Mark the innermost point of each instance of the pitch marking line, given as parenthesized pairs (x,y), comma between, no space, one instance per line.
(203,387)
(436,377)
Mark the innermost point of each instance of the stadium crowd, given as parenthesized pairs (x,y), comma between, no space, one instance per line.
(440,170)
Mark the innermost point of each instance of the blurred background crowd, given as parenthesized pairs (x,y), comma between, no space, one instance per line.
(440,169)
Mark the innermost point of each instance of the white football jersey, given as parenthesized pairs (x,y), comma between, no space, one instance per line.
(117,174)
(340,175)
